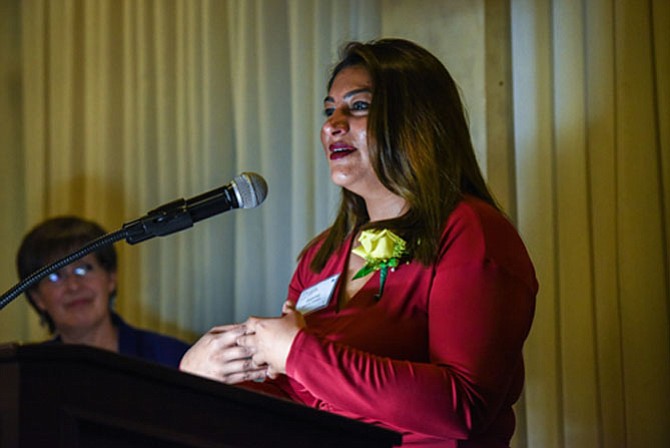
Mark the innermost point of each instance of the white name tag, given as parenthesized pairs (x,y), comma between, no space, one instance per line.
(318,296)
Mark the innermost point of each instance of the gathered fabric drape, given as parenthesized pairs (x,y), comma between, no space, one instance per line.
(591,124)
(110,108)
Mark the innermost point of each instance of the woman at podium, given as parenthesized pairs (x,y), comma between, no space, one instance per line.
(76,302)
(410,311)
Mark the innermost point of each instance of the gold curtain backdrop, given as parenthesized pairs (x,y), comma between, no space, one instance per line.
(592,116)
(109,108)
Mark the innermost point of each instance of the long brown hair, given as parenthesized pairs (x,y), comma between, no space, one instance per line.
(419,145)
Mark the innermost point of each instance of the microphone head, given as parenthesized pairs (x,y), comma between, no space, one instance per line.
(251,189)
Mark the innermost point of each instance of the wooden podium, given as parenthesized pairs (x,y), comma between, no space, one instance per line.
(76,396)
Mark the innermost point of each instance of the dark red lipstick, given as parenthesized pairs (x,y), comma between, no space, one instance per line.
(340,150)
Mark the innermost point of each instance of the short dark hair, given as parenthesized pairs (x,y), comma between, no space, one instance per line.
(419,143)
(55,238)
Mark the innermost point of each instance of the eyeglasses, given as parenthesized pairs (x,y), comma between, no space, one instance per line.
(59,277)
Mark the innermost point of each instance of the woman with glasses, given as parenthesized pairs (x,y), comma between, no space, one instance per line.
(75,303)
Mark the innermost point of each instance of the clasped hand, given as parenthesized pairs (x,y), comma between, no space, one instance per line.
(253,350)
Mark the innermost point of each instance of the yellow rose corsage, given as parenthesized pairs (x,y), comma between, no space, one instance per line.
(381,250)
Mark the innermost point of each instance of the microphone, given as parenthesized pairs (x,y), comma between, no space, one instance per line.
(247,190)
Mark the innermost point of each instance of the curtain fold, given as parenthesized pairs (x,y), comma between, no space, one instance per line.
(592,189)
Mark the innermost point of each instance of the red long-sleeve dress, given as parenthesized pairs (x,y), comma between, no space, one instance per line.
(438,357)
